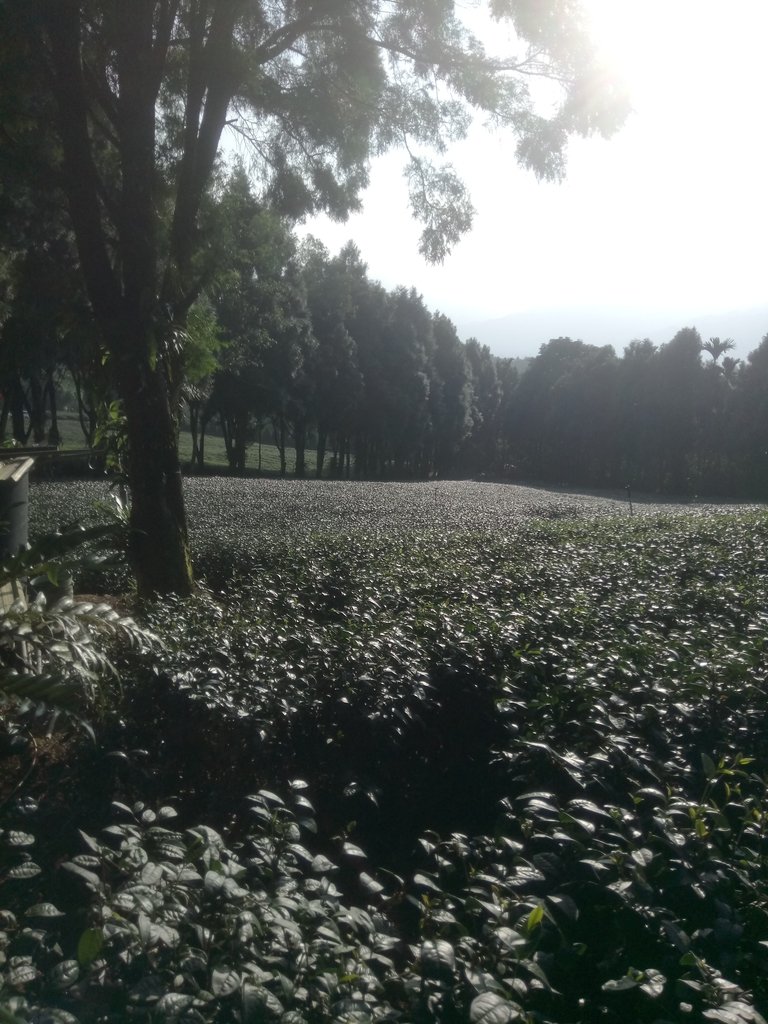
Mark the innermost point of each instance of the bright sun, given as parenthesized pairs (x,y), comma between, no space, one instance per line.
(665,47)
(669,213)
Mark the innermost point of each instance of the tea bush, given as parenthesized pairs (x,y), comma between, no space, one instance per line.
(509,765)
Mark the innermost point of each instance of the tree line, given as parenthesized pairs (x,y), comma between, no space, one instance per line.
(681,418)
(289,337)
(284,335)
(316,349)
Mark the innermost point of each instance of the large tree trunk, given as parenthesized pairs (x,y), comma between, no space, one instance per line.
(124,294)
(159,548)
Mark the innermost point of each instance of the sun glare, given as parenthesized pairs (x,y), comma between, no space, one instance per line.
(663,48)
(669,213)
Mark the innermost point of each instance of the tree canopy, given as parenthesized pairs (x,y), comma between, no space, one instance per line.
(140,95)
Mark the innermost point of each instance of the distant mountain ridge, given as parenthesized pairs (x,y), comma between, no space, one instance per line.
(522,334)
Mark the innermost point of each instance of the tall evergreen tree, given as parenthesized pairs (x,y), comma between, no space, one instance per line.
(334,369)
(751,421)
(450,396)
(678,368)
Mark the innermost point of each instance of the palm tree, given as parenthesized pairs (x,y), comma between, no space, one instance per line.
(716,347)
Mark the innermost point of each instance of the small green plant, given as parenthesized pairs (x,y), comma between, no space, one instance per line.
(112,435)
(53,656)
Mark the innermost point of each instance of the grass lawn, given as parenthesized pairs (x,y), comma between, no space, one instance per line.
(264,458)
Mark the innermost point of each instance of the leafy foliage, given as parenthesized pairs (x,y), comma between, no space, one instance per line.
(180,925)
(52,653)
(544,727)
(55,658)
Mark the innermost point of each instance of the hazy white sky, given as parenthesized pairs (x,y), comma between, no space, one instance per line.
(670,215)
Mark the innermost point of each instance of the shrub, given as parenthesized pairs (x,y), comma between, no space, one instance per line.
(548,737)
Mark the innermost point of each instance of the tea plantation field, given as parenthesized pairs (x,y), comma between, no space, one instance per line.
(416,752)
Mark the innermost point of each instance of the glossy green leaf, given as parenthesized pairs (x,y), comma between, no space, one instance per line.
(89,946)
(490,1008)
